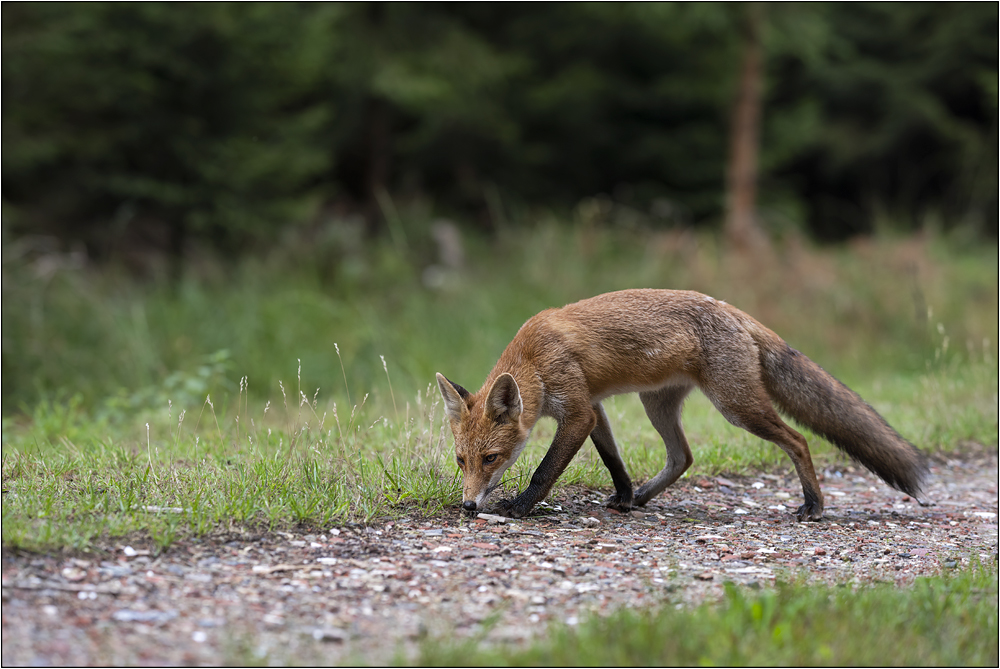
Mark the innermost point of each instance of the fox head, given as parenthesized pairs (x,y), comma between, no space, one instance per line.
(489,435)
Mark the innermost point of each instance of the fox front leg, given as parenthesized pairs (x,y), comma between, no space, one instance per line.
(604,441)
(570,436)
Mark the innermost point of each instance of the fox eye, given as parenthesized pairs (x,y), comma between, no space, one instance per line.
(461,461)
(489,459)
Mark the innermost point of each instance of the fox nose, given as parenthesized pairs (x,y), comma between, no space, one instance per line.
(469,505)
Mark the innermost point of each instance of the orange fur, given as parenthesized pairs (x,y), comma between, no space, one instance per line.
(661,344)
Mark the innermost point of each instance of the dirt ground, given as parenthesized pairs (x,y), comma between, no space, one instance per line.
(368,595)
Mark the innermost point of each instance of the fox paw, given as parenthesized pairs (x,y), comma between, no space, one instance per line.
(618,503)
(809,512)
(511,509)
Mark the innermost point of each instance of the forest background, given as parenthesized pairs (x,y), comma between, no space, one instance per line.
(197,193)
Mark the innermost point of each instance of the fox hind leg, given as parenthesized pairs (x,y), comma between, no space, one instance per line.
(795,445)
(604,440)
(663,407)
(754,413)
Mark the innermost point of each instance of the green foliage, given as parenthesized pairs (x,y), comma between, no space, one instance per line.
(939,621)
(875,131)
(135,125)
(204,120)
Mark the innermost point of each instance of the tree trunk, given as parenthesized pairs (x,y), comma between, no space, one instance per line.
(377,167)
(742,228)
(177,242)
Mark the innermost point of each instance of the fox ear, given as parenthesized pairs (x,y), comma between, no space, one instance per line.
(503,402)
(454,398)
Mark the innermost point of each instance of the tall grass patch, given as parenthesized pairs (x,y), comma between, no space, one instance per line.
(296,388)
(263,468)
(875,307)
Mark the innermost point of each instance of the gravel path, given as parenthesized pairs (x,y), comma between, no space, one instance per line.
(362,594)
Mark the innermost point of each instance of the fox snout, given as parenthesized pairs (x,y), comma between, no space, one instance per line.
(476,487)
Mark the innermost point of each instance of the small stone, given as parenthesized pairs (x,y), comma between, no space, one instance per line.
(329,634)
(132,616)
(485,546)
(115,571)
(74,574)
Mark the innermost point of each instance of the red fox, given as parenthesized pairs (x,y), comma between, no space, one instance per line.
(661,344)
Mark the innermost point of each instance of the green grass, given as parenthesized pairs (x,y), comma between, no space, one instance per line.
(70,480)
(939,621)
(256,394)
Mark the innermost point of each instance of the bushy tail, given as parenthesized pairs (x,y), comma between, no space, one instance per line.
(804,391)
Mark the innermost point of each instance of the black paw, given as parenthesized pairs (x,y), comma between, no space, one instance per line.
(618,503)
(809,512)
(511,509)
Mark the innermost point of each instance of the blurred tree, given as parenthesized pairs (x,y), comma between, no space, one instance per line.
(884,110)
(425,92)
(742,227)
(626,99)
(168,120)
(225,122)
